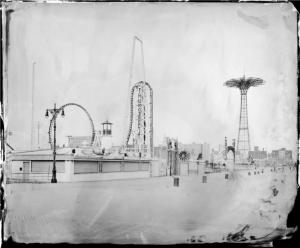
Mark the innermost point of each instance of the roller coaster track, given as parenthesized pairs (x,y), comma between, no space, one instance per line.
(84,110)
(136,86)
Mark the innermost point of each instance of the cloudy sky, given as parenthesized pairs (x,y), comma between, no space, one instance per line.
(83,55)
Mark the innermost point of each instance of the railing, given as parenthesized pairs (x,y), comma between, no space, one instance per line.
(195,167)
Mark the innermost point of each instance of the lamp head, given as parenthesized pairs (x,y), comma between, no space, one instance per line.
(47,113)
(63,113)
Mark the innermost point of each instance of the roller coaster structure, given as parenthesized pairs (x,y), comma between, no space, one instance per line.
(84,110)
(140,131)
(139,139)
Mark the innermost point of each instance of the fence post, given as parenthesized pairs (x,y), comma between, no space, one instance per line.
(176,181)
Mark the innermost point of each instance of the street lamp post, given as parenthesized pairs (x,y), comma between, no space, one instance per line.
(54,113)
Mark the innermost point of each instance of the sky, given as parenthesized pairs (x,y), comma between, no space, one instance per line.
(82,54)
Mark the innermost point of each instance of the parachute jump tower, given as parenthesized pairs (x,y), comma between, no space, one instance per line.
(139,139)
(243,84)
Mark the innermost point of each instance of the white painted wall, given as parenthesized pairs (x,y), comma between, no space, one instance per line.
(158,168)
(69,176)
(109,176)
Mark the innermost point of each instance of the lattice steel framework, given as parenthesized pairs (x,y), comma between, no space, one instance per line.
(84,110)
(140,133)
(243,84)
(139,139)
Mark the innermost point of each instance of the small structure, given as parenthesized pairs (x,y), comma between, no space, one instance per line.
(106,128)
(172,159)
(229,149)
(106,136)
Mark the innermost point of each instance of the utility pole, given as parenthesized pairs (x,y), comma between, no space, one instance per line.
(32,106)
(38,127)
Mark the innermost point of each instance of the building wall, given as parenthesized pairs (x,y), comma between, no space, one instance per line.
(78,141)
(160,152)
(221,148)
(281,156)
(16,171)
(71,170)
(258,154)
(109,176)
(206,152)
(158,167)
(288,155)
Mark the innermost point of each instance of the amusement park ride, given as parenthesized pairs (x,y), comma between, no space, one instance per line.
(138,141)
(97,138)
(93,132)
(139,138)
(243,142)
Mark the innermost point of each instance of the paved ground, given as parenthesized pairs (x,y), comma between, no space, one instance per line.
(152,210)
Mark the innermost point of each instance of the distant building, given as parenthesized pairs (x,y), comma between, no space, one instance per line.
(194,149)
(206,151)
(281,156)
(78,141)
(217,156)
(258,154)
(221,148)
(160,152)
(197,150)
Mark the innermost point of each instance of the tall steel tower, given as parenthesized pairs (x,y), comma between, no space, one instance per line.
(243,84)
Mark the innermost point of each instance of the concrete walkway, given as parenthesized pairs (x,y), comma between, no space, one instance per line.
(151,210)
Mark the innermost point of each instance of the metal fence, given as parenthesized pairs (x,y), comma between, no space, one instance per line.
(187,168)
(199,168)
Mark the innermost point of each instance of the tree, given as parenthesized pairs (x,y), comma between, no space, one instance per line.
(199,156)
(184,155)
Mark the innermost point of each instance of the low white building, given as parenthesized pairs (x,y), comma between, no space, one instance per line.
(75,164)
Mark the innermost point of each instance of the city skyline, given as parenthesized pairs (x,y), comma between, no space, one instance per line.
(85,59)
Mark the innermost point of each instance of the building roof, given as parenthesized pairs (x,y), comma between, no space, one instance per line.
(66,153)
(45,154)
(106,122)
